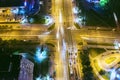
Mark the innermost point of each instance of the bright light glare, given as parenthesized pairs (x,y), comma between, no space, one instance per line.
(71,71)
(62,30)
(44,53)
(93,1)
(58,33)
(116,47)
(25,3)
(31,20)
(78,19)
(60,17)
(116,44)
(63,51)
(103,2)
(24,20)
(48,20)
(75,10)
(38,78)
(47,77)
(86,38)
(113,73)
(115,17)
(24,55)
(40,56)
(118,76)
(46,33)
(22,12)
(15,11)
(64,44)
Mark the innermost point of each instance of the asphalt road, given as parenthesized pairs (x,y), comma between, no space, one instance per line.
(96,36)
(25,31)
(63,37)
(60,55)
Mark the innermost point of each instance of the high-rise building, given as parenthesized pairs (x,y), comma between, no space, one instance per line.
(26,70)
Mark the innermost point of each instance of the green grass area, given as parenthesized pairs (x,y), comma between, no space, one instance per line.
(51,27)
(104,74)
(110,60)
(111,49)
(95,51)
(97,66)
(11,46)
(105,77)
(97,19)
(80,43)
(77,26)
(105,44)
(37,19)
(50,44)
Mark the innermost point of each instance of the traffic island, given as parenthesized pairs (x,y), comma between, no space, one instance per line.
(105,63)
(51,27)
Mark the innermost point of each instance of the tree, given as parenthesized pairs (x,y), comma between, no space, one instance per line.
(101,72)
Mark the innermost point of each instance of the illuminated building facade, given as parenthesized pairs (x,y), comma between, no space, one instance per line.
(26,70)
(101,2)
(17,10)
(93,1)
(23,6)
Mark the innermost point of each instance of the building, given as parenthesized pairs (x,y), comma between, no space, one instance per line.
(26,70)
(93,1)
(27,4)
(15,67)
(17,10)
